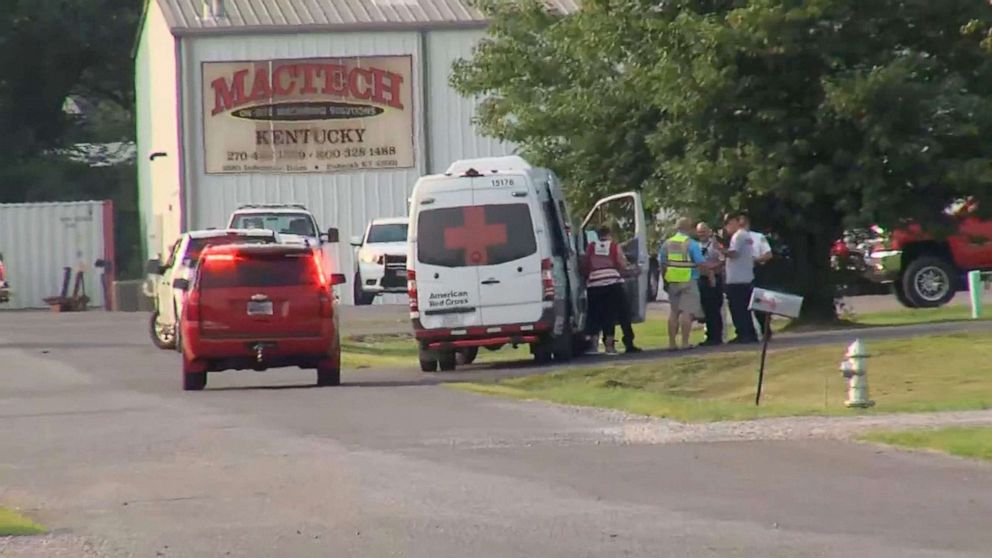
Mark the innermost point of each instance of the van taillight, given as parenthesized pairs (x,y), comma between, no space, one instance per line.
(411,291)
(548,278)
(191,309)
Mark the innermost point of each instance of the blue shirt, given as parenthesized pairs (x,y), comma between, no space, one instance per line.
(695,254)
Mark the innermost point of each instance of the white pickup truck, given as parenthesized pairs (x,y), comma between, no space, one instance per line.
(294,223)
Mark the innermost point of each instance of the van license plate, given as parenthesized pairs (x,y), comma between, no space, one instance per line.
(260,308)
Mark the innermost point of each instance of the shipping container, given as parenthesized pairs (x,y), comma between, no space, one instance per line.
(39,240)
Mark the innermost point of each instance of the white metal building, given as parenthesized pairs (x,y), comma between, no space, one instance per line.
(336,104)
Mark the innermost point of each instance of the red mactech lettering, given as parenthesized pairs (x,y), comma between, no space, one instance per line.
(387,81)
(309,72)
(228,96)
(334,80)
(261,88)
(279,84)
(353,86)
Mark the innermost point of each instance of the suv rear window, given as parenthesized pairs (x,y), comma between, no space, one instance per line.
(475,235)
(196,245)
(277,270)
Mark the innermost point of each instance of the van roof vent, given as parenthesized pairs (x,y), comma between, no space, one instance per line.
(496,164)
(472,173)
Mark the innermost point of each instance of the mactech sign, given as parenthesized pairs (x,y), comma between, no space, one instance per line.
(308,116)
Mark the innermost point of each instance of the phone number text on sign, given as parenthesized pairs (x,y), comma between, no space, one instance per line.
(310,161)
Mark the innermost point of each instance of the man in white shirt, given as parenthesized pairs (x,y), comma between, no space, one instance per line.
(762,253)
(740,278)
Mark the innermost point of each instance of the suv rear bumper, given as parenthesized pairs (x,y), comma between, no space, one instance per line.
(215,354)
(883,266)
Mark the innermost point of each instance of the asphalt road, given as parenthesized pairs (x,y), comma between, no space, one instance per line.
(97,439)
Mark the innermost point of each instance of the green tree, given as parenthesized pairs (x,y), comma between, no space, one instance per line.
(813,115)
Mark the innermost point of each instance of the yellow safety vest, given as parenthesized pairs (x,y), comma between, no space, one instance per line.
(678,264)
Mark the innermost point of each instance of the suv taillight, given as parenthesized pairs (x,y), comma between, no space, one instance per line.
(191,309)
(548,278)
(411,291)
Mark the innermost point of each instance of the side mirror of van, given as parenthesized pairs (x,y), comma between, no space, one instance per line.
(181,284)
(356,241)
(333,235)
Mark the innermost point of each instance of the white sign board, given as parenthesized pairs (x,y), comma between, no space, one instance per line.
(781,304)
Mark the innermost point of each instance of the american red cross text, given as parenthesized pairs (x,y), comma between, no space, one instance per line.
(475,236)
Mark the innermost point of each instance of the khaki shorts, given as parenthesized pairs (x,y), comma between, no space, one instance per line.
(684,297)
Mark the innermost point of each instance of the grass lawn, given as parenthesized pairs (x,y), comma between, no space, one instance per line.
(15,524)
(910,316)
(972,442)
(947,372)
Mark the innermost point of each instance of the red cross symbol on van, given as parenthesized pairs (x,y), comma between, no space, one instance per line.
(475,236)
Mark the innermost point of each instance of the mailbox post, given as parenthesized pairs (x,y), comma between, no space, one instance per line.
(779,304)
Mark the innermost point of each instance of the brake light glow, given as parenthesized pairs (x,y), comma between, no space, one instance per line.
(191,308)
(548,279)
(220,258)
(411,291)
(321,278)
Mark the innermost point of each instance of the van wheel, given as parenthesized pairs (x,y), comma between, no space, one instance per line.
(328,376)
(194,381)
(543,352)
(162,335)
(428,361)
(362,298)
(466,355)
(446,360)
(562,346)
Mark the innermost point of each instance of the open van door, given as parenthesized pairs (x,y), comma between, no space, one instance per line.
(624,213)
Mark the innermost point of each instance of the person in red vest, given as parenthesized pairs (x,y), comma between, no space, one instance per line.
(605,265)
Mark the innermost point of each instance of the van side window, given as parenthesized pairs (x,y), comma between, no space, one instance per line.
(554,229)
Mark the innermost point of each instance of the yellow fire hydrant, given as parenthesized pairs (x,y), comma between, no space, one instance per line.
(855,369)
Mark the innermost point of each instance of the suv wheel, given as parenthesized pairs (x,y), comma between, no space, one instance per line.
(328,375)
(929,282)
(163,336)
(362,298)
(194,381)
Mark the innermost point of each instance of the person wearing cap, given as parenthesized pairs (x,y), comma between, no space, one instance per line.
(680,257)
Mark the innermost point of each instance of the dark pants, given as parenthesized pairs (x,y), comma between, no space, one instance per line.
(621,312)
(760,280)
(602,315)
(738,298)
(711,296)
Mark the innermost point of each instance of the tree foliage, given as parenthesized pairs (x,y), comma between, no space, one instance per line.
(813,115)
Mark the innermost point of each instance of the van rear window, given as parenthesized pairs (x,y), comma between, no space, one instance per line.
(475,235)
(280,270)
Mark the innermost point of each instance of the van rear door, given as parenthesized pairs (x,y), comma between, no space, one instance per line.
(503,243)
(447,279)
(624,213)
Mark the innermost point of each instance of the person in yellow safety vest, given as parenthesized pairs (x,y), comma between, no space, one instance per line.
(681,258)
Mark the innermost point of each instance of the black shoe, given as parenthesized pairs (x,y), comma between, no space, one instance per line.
(711,343)
(739,341)
(631,349)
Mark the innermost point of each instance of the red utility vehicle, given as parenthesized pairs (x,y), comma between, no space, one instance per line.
(927,270)
(255,307)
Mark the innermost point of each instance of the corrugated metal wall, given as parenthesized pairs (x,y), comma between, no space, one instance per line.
(37,240)
(452,134)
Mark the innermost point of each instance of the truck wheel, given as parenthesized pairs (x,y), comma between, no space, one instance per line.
(362,298)
(328,375)
(446,360)
(901,295)
(466,355)
(929,282)
(163,336)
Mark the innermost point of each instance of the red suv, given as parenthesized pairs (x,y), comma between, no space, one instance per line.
(258,307)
